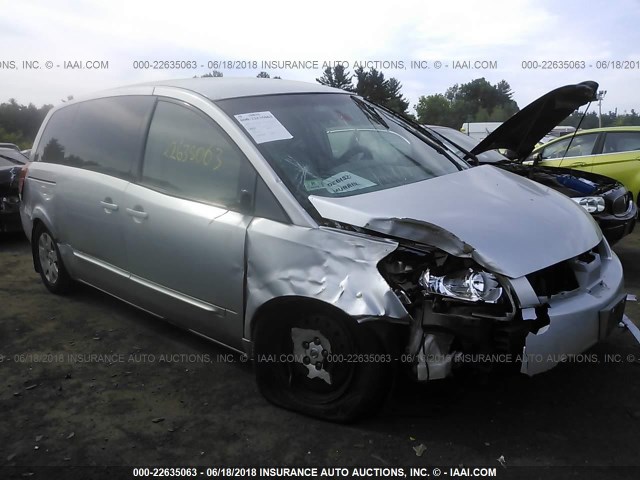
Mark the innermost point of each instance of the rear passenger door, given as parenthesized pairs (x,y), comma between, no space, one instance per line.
(97,153)
(184,223)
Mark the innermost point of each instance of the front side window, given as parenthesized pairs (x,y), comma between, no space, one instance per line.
(621,142)
(188,156)
(581,145)
(336,145)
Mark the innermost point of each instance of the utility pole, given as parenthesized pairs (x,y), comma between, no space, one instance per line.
(600,96)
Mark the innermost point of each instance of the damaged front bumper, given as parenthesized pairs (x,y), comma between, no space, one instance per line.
(577,320)
(550,324)
(571,331)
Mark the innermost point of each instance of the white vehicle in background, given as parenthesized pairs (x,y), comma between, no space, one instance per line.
(479,130)
(556,132)
(545,139)
(561,130)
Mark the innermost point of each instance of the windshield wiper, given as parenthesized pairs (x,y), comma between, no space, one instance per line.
(370,112)
(428,137)
(467,154)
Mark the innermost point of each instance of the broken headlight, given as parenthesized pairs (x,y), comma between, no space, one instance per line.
(469,285)
(590,204)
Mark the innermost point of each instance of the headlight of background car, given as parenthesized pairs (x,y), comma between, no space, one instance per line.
(9,203)
(590,204)
(469,285)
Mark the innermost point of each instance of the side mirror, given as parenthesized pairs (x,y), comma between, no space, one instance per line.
(246,201)
(537,158)
(510,154)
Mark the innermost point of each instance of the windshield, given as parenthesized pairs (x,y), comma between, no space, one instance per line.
(337,145)
(468,143)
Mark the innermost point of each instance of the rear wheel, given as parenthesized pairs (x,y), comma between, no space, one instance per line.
(48,262)
(321,363)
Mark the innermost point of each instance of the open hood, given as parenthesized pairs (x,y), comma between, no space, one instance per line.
(526,128)
(501,220)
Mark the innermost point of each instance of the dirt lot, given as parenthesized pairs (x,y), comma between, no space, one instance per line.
(132,403)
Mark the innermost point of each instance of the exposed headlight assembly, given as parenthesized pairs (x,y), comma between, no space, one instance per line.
(590,204)
(469,285)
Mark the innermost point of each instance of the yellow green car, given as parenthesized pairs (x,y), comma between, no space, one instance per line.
(611,151)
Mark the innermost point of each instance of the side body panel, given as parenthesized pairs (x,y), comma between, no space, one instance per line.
(623,166)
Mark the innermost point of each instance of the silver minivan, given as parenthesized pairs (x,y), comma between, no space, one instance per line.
(328,238)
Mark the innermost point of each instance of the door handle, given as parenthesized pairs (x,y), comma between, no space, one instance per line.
(108,205)
(578,164)
(141,214)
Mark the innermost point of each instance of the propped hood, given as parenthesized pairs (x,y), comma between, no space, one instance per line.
(507,223)
(526,128)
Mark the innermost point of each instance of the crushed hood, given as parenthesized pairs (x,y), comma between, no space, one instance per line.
(507,223)
(526,128)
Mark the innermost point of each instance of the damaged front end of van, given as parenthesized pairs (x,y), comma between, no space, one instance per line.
(410,259)
(496,290)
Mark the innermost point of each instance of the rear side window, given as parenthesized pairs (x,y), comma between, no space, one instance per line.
(189,156)
(55,138)
(621,142)
(103,135)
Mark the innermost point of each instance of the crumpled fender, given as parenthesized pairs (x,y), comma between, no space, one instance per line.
(327,264)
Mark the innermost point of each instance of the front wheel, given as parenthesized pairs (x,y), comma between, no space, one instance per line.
(48,262)
(321,363)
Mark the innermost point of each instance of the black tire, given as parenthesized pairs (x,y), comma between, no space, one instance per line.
(355,389)
(48,261)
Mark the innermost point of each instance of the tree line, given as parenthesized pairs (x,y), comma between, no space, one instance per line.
(609,119)
(370,84)
(475,101)
(19,124)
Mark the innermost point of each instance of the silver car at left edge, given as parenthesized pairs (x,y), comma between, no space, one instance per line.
(329,239)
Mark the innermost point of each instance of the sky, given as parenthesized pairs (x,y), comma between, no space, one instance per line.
(508,40)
